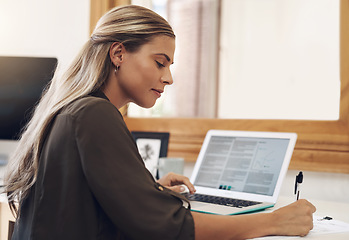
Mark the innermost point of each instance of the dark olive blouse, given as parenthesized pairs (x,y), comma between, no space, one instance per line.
(92,183)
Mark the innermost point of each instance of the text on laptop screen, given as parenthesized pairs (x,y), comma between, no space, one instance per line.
(242,164)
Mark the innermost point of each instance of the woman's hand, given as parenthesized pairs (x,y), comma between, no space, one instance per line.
(174,181)
(294,219)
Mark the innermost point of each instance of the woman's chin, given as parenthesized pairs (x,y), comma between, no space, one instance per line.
(146,105)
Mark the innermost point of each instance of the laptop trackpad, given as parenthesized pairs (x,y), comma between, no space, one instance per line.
(197,205)
(212,208)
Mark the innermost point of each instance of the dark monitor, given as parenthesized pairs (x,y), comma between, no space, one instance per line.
(22,80)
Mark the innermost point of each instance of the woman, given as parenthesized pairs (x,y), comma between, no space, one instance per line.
(77,172)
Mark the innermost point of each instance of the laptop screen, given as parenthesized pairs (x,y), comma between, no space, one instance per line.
(242,164)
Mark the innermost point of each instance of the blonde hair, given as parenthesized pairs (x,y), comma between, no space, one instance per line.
(130,25)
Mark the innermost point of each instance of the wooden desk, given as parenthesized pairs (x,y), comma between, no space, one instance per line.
(336,210)
(5,217)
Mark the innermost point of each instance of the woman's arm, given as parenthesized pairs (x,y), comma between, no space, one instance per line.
(294,219)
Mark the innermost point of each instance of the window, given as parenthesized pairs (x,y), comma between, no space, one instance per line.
(194,92)
(321,145)
(276,60)
(279,59)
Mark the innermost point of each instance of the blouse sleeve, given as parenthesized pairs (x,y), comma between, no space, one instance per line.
(123,187)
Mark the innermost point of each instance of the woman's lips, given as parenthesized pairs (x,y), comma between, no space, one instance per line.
(157,92)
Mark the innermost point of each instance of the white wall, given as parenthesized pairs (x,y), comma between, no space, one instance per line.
(54,28)
(42,28)
(319,186)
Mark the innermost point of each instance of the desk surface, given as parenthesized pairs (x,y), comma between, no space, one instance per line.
(338,211)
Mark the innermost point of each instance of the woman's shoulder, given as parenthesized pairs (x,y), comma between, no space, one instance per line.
(90,104)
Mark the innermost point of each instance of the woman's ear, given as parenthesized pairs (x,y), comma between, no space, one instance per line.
(116,52)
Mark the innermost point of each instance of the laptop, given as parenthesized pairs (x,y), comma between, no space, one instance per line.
(240,171)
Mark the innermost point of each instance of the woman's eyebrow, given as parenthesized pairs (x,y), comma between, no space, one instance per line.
(165,55)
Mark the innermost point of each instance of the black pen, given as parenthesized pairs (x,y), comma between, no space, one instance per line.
(299,180)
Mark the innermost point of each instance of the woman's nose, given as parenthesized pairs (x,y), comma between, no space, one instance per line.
(167,77)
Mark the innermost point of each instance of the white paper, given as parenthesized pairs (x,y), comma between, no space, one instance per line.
(321,226)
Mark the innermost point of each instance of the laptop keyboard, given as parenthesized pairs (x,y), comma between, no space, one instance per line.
(230,202)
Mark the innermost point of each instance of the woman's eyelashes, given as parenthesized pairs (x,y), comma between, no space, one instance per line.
(160,65)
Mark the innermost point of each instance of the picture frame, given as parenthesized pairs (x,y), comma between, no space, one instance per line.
(151,147)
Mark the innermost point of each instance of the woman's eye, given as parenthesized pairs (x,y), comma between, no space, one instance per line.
(159,64)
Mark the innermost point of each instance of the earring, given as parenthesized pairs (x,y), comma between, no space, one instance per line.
(116,68)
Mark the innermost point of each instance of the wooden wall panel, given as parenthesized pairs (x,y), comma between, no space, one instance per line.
(99,7)
(321,146)
(5,217)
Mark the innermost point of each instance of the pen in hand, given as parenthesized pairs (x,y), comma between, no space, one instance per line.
(299,180)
